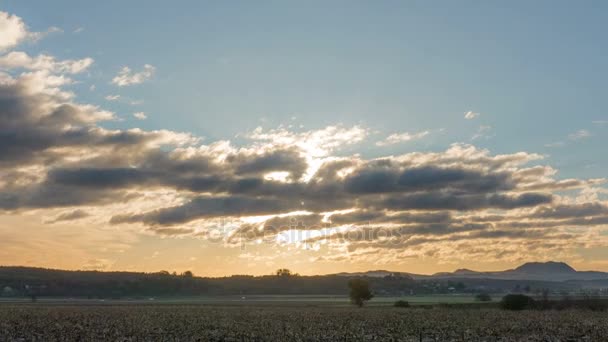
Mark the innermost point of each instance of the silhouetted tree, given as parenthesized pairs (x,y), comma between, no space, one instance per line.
(283,272)
(359,291)
(188,274)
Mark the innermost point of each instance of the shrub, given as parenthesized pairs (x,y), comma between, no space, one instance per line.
(516,302)
(402,304)
(483,297)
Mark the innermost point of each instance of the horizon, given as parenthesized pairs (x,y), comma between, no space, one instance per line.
(320,137)
(295,272)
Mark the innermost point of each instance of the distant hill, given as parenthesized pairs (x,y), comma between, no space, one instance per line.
(540,271)
(550,267)
(377,274)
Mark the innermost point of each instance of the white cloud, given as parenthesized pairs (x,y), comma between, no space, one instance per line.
(112,97)
(35,36)
(482,132)
(580,134)
(12,31)
(470,115)
(316,143)
(140,115)
(127,77)
(555,144)
(21,60)
(402,137)
(78,30)
(600,122)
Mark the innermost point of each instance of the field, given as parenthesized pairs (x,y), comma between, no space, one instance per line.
(167,322)
(260,300)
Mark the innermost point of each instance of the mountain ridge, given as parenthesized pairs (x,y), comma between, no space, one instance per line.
(550,270)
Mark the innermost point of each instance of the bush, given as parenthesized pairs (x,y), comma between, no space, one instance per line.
(483,297)
(402,304)
(516,302)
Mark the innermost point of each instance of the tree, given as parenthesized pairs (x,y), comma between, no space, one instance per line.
(359,291)
(188,274)
(283,272)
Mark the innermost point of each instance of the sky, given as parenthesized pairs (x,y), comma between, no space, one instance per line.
(322,136)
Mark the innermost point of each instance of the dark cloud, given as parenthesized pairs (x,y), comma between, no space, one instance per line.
(70,216)
(99,178)
(281,160)
(206,207)
(46,196)
(368,216)
(572,211)
(457,201)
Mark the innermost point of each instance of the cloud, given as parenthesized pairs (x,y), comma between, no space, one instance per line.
(127,77)
(576,136)
(70,216)
(140,115)
(97,265)
(579,135)
(555,144)
(470,115)
(482,132)
(202,207)
(15,60)
(112,97)
(402,137)
(35,36)
(12,30)
(40,122)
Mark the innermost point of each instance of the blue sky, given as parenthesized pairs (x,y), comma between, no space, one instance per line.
(532,74)
(534,70)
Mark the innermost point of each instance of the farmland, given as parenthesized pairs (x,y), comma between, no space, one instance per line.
(129,322)
(292,300)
